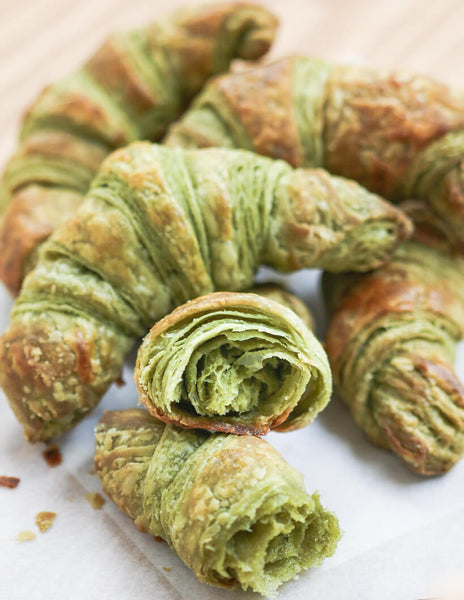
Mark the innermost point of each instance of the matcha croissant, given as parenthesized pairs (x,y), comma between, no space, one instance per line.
(391,342)
(239,363)
(399,135)
(132,88)
(229,506)
(161,226)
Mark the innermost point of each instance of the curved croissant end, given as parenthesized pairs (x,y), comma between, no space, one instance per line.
(391,343)
(238,363)
(229,506)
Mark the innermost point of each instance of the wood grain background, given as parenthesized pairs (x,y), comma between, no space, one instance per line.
(41,40)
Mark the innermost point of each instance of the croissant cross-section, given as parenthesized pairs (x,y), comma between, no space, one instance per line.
(234,362)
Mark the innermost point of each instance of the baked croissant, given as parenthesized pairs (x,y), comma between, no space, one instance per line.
(391,343)
(132,88)
(239,363)
(229,506)
(161,226)
(399,135)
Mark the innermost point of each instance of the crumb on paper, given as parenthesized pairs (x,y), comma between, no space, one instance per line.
(167,569)
(52,455)
(9,482)
(25,536)
(44,520)
(95,499)
(158,538)
(120,382)
(91,471)
(69,499)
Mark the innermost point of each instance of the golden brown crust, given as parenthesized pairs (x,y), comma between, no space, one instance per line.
(197,422)
(126,419)
(81,112)
(377,296)
(111,68)
(31,216)
(84,352)
(61,145)
(377,122)
(274,133)
(417,450)
(34,354)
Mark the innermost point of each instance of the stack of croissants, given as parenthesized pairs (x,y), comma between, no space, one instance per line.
(147,189)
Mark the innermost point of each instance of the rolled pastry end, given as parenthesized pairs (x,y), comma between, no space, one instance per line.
(356,230)
(232,362)
(48,374)
(279,530)
(32,214)
(255,28)
(230,506)
(418,404)
(391,343)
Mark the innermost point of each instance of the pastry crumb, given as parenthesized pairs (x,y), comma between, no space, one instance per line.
(9,482)
(95,499)
(25,536)
(44,520)
(91,471)
(158,538)
(52,455)
(69,499)
(167,569)
(120,382)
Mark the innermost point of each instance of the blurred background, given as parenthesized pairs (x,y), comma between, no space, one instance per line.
(41,40)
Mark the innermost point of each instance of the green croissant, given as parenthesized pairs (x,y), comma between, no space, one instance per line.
(133,87)
(391,342)
(398,134)
(161,226)
(239,363)
(229,506)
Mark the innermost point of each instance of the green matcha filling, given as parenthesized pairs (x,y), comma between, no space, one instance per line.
(230,379)
(248,366)
(277,546)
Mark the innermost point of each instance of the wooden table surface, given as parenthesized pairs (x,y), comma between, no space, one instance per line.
(41,40)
